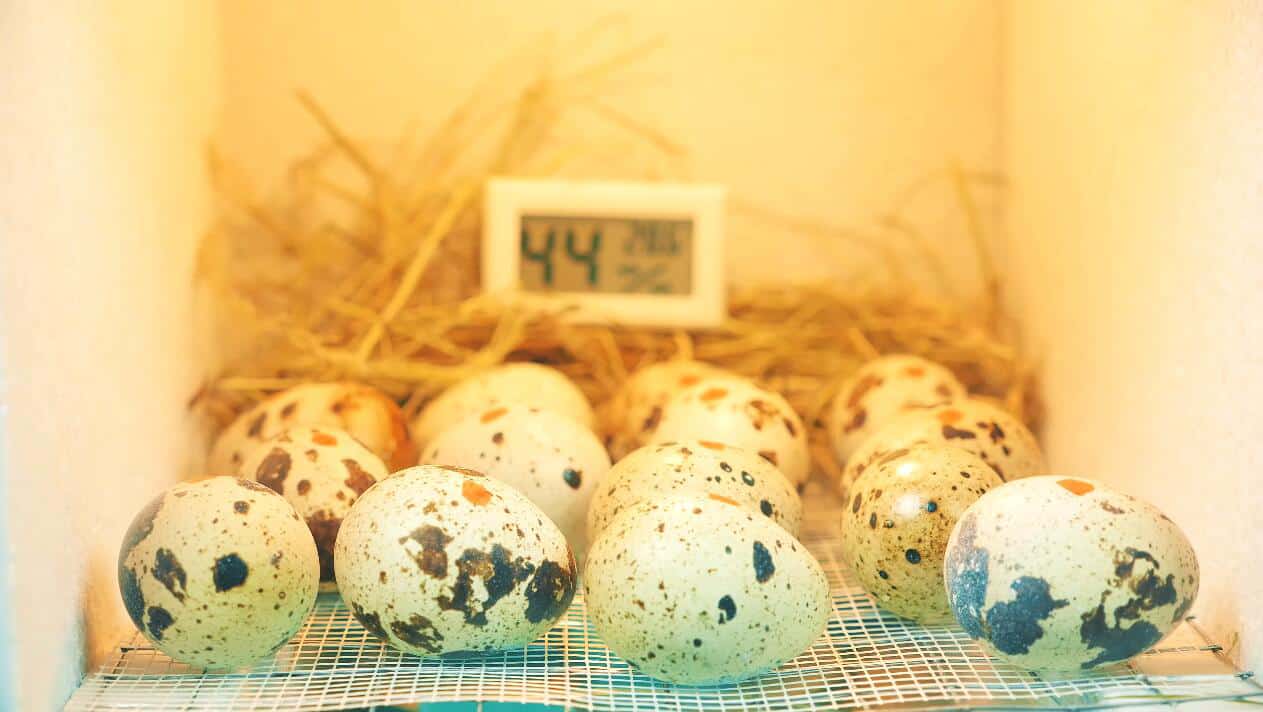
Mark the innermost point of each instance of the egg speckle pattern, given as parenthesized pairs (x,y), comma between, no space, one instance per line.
(882,389)
(898,519)
(699,467)
(553,460)
(320,472)
(695,590)
(986,430)
(438,560)
(218,573)
(1103,580)
(736,412)
(630,417)
(528,384)
(363,411)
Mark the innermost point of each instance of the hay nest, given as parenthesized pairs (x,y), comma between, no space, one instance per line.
(366,267)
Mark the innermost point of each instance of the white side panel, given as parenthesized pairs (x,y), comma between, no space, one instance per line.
(104,114)
(1135,149)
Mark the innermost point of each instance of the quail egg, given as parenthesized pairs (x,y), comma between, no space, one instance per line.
(696,590)
(736,412)
(363,411)
(986,430)
(896,524)
(320,472)
(630,416)
(218,573)
(882,389)
(1064,573)
(437,560)
(698,467)
(553,460)
(527,384)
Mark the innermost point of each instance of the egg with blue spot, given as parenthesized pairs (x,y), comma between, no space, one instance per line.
(1066,573)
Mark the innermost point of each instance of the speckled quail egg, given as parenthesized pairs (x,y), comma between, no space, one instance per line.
(736,412)
(1064,573)
(218,573)
(631,415)
(896,525)
(882,389)
(363,411)
(986,430)
(320,472)
(437,560)
(528,384)
(696,590)
(553,460)
(698,467)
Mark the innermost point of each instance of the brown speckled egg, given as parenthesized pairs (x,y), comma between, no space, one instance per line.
(437,560)
(218,573)
(1064,573)
(697,590)
(320,472)
(881,390)
(897,521)
(986,430)
(631,415)
(736,412)
(363,411)
(698,467)
(528,384)
(553,460)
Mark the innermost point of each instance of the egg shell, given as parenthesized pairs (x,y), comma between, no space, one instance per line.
(896,525)
(883,389)
(218,573)
(528,384)
(1063,573)
(363,411)
(320,472)
(553,460)
(699,467)
(634,411)
(736,412)
(698,591)
(438,560)
(986,430)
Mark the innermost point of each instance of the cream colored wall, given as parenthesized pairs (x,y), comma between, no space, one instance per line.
(1134,143)
(820,109)
(103,117)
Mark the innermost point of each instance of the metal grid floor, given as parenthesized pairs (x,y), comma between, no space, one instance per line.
(867,658)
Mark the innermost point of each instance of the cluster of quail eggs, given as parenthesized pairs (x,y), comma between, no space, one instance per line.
(948,512)
(465,528)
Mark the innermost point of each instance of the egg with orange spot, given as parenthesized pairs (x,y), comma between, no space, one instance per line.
(552,459)
(1067,573)
(701,467)
(320,472)
(880,391)
(736,412)
(528,384)
(628,419)
(369,415)
(436,560)
(896,522)
(974,425)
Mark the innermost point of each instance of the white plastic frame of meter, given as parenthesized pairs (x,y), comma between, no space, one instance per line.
(649,254)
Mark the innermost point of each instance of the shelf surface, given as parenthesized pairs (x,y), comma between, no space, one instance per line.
(866,658)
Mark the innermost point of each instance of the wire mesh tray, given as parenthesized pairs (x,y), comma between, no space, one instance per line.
(866,658)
